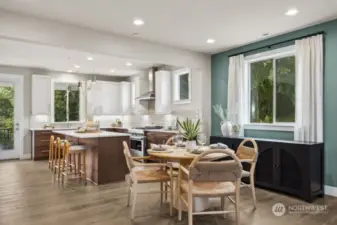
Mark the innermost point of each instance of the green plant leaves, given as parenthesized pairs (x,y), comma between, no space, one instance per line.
(191,130)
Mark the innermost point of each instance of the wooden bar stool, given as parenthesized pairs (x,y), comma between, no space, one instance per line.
(51,153)
(69,161)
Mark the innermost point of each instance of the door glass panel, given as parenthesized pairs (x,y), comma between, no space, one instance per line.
(6,117)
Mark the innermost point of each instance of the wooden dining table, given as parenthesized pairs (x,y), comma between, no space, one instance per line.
(185,158)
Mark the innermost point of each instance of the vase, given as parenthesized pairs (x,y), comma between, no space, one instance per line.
(190,145)
(225,126)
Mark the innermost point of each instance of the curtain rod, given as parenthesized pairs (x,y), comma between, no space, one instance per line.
(278,43)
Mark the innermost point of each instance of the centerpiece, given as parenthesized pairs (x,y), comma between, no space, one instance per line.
(190,132)
(225,125)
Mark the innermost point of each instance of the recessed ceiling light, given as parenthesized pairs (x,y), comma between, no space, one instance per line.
(112,70)
(265,34)
(138,22)
(77,66)
(90,58)
(210,41)
(292,12)
(70,71)
(128,64)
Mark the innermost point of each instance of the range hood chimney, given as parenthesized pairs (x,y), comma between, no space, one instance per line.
(150,95)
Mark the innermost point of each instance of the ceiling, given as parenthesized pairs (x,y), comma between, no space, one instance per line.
(183,23)
(25,54)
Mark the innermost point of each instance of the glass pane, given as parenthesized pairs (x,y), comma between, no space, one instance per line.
(6,117)
(74,105)
(60,105)
(262,91)
(183,86)
(285,89)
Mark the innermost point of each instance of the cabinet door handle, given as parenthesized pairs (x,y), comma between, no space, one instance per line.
(45,151)
(44,140)
(45,132)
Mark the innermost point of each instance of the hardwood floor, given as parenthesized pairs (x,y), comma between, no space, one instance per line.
(28,195)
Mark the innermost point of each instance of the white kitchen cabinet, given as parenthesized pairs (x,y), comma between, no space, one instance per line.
(126,101)
(141,86)
(163,92)
(41,95)
(104,98)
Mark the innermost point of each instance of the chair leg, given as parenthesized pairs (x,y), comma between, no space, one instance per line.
(252,186)
(237,203)
(79,167)
(59,163)
(190,205)
(179,209)
(129,192)
(84,168)
(161,193)
(66,169)
(171,196)
(225,205)
(165,188)
(134,196)
(74,163)
(63,170)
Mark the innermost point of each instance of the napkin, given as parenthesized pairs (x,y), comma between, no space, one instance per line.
(218,146)
(155,147)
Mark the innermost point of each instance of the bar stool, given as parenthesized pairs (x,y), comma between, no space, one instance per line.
(51,153)
(70,152)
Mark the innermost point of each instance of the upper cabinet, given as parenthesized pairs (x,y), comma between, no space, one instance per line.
(126,101)
(41,95)
(163,92)
(182,86)
(104,99)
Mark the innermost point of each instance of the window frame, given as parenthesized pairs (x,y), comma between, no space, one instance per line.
(176,86)
(274,55)
(81,103)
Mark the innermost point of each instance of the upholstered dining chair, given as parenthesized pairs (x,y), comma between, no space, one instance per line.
(248,155)
(136,177)
(210,179)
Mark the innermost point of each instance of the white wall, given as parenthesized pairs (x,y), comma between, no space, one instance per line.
(24,28)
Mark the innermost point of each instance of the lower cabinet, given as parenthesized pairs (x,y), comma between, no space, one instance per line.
(294,168)
(40,143)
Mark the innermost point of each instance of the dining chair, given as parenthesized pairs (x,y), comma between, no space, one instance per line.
(136,177)
(210,179)
(248,155)
(51,153)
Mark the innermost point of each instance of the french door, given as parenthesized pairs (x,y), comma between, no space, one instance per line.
(11,116)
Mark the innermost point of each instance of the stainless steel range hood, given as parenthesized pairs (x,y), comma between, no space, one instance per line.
(150,95)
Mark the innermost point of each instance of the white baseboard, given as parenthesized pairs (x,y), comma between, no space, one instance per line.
(26,156)
(329,190)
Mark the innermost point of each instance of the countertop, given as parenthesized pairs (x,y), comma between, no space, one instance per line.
(59,128)
(163,130)
(101,134)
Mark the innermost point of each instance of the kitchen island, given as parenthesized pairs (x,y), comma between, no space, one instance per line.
(105,160)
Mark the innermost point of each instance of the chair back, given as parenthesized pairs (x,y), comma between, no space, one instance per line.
(170,141)
(210,171)
(247,153)
(128,157)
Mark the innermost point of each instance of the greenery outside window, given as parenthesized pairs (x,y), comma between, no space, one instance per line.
(271,77)
(66,102)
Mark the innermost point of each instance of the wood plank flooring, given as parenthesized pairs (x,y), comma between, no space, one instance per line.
(30,196)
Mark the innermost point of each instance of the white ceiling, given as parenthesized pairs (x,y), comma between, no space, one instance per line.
(57,59)
(184,23)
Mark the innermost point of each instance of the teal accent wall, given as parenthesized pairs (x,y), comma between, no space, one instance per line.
(219,90)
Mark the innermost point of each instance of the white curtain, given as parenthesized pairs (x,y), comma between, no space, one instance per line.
(309,89)
(237,91)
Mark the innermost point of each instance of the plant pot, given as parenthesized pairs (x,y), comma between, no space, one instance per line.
(226,127)
(190,145)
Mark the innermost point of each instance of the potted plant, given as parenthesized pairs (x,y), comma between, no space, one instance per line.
(190,132)
(225,125)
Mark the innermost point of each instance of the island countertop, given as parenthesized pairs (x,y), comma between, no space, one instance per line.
(101,134)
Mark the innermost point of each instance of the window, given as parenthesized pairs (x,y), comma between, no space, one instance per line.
(182,86)
(66,102)
(272,87)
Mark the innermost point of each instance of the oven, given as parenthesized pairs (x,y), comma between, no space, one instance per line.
(137,147)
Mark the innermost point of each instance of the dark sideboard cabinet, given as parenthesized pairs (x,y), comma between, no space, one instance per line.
(290,167)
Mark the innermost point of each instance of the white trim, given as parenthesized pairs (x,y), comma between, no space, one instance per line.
(277,53)
(26,156)
(329,190)
(176,87)
(264,126)
(18,85)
